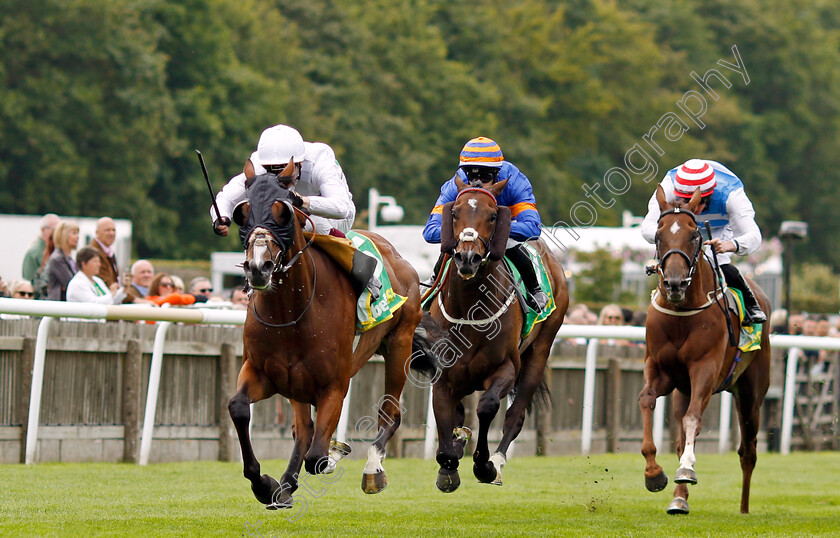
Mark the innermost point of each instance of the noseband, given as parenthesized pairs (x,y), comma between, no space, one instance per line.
(690,260)
(470,235)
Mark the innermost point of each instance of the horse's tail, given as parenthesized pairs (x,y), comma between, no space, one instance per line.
(423,358)
(541,398)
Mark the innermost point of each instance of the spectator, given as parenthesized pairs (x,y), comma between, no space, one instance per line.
(639,318)
(102,242)
(22,289)
(5,289)
(201,288)
(61,267)
(239,298)
(86,286)
(778,319)
(140,278)
(580,314)
(795,323)
(612,314)
(162,291)
(178,283)
(34,257)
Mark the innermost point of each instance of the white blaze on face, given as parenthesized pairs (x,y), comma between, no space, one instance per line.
(472,203)
(675,228)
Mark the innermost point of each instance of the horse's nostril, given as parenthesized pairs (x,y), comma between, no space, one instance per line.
(267,266)
(458,257)
(246,266)
(475,259)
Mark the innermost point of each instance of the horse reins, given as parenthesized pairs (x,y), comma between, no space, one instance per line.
(281,268)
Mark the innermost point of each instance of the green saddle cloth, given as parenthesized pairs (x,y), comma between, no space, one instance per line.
(369,313)
(750,336)
(532,317)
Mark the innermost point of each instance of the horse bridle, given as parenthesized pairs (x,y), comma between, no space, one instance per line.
(284,268)
(690,260)
(470,235)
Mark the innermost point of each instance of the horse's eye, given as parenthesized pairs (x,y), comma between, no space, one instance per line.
(493,217)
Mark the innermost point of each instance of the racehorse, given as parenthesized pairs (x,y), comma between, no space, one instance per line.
(299,339)
(687,348)
(478,309)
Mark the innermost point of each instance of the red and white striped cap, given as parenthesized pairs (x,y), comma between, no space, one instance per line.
(692,174)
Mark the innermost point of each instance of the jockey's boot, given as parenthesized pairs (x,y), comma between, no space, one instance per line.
(363,275)
(429,282)
(752,311)
(536,298)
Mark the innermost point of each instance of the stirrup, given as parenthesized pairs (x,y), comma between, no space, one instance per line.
(537,300)
(374,286)
(753,317)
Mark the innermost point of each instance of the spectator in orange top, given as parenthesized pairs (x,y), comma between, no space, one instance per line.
(162,291)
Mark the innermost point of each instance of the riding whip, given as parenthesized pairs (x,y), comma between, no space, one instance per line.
(207,178)
(732,341)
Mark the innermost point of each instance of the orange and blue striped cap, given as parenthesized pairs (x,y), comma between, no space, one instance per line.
(482,151)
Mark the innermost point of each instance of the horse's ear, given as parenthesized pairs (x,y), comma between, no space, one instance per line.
(660,197)
(447,236)
(695,200)
(498,243)
(289,170)
(248,170)
(460,183)
(240,213)
(497,188)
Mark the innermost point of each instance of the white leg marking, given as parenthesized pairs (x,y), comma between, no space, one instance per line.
(374,461)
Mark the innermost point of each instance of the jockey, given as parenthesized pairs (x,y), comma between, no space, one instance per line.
(319,184)
(318,187)
(481,165)
(729,212)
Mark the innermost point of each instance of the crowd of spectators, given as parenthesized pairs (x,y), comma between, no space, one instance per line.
(56,267)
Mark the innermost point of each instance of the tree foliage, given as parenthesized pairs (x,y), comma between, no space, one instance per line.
(102,102)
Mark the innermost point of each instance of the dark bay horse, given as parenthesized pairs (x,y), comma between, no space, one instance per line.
(299,340)
(688,349)
(480,320)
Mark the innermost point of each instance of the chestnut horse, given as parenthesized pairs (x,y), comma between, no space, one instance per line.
(299,340)
(478,309)
(688,349)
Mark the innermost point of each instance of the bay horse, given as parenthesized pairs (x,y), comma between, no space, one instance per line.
(478,314)
(299,339)
(688,349)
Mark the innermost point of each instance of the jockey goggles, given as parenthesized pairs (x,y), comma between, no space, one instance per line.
(484,174)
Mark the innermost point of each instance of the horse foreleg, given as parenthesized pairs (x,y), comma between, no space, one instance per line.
(703,375)
(302,433)
(252,386)
(444,404)
(499,384)
(329,405)
(657,383)
(679,505)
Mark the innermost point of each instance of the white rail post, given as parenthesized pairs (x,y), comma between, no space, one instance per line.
(725,419)
(659,421)
(789,399)
(431,428)
(344,418)
(588,396)
(36,390)
(152,394)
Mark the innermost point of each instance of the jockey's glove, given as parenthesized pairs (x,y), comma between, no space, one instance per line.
(222,221)
(297,201)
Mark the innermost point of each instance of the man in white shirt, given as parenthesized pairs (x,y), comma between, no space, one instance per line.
(730,213)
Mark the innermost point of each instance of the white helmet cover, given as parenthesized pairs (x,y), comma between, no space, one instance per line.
(279,145)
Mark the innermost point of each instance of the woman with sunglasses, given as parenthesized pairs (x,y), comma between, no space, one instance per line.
(22,289)
(162,291)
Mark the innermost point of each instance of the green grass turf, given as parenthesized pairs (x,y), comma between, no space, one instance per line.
(602,495)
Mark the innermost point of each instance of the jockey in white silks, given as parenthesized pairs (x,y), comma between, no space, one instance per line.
(730,213)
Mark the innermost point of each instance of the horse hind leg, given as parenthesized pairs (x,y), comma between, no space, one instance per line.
(749,397)
(389,410)
(252,386)
(485,469)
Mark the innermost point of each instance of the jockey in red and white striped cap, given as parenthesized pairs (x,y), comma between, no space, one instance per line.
(729,212)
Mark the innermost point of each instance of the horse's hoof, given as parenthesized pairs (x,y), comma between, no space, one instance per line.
(485,472)
(448,481)
(264,491)
(374,482)
(678,506)
(498,460)
(338,450)
(284,502)
(685,476)
(657,483)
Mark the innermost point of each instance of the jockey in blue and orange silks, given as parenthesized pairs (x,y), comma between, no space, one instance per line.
(482,164)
